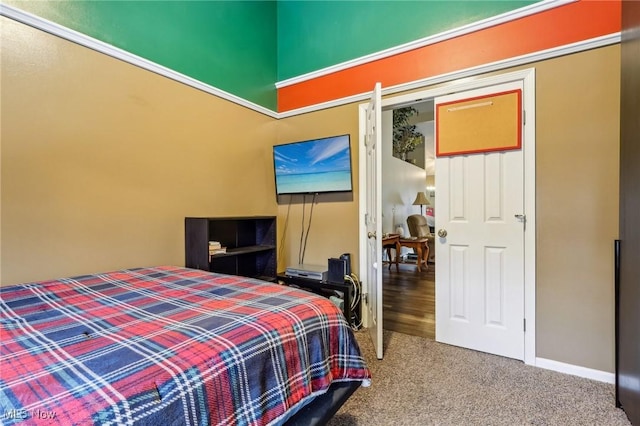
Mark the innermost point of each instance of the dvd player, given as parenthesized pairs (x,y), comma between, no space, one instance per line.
(310,272)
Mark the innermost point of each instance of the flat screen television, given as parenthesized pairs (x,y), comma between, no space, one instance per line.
(313,166)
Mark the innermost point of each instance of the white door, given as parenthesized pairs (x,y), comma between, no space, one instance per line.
(480,245)
(372,216)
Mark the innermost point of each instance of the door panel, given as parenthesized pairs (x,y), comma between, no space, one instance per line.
(480,280)
(494,193)
(458,191)
(373,222)
(495,286)
(459,282)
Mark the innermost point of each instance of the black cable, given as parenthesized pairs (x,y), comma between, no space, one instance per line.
(313,201)
(356,285)
(300,256)
(286,224)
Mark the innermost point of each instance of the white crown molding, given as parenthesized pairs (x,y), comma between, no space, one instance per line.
(576,370)
(426,41)
(115,52)
(467,72)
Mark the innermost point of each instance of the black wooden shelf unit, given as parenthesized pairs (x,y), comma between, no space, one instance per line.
(250,244)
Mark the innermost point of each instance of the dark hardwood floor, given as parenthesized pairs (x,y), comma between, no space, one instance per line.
(408,300)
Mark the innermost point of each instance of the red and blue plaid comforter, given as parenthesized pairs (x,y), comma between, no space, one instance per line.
(167,345)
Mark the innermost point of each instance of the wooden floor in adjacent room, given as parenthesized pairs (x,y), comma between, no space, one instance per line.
(408,300)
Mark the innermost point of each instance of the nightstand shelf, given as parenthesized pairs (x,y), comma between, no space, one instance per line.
(244,250)
(250,245)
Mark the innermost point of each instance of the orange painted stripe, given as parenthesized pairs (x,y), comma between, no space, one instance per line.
(563,25)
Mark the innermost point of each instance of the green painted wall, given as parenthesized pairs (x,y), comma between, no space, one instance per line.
(230,45)
(316,34)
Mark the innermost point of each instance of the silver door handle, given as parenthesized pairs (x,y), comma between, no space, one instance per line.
(442,233)
(371,234)
(520,216)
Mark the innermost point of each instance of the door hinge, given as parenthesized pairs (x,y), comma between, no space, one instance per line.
(365,298)
(524,324)
(524,117)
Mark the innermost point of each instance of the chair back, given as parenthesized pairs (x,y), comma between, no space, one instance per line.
(418,226)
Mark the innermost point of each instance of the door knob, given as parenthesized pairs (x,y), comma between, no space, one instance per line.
(442,233)
(371,234)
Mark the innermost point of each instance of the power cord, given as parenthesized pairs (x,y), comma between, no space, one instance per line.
(284,232)
(303,248)
(355,321)
(300,255)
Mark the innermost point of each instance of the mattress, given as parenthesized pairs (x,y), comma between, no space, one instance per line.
(168,345)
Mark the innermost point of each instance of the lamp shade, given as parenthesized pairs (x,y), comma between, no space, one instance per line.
(421,199)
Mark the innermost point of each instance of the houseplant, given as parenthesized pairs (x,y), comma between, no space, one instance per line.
(405,136)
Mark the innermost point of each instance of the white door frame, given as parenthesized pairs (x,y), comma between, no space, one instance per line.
(527,77)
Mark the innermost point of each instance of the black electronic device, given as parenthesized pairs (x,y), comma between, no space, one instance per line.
(337,270)
(311,272)
(347,258)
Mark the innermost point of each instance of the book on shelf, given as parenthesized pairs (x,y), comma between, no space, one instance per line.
(219,250)
(214,245)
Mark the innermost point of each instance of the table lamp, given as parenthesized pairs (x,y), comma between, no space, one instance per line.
(421,200)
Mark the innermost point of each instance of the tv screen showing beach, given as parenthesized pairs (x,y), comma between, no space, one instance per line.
(314,166)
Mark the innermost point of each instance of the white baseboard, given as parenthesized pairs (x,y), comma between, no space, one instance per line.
(576,370)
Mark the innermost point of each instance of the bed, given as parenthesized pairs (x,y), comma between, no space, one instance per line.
(172,346)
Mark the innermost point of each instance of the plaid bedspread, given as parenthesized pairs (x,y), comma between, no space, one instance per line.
(167,345)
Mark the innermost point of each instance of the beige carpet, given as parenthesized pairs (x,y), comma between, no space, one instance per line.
(421,382)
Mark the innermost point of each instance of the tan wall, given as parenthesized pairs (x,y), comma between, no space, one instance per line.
(334,225)
(577,167)
(101,161)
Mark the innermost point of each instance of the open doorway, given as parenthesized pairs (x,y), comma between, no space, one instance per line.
(408,204)
(374,214)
